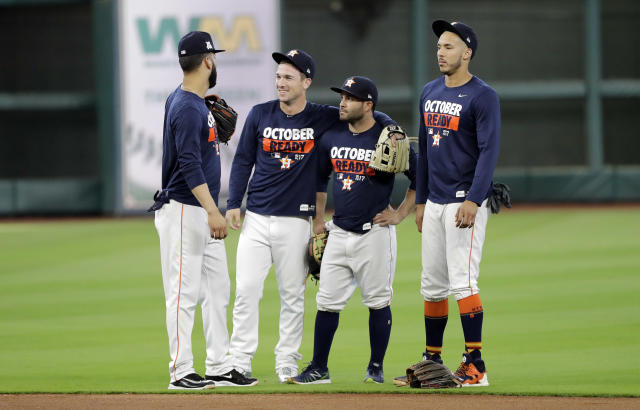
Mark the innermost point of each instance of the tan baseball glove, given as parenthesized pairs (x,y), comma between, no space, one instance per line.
(428,374)
(315,250)
(388,158)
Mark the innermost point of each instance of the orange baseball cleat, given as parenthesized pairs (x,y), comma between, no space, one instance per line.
(472,373)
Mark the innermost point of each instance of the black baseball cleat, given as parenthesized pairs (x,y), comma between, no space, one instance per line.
(233,378)
(192,381)
(434,357)
(374,374)
(311,375)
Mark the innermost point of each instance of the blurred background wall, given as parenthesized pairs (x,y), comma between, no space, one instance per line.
(568,75)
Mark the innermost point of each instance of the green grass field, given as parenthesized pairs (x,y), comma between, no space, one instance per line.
(82,309)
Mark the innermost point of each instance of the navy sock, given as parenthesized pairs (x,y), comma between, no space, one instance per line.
(472,329)
(379,332)
(436,315)
(471,315)
(434,331)
(326,326)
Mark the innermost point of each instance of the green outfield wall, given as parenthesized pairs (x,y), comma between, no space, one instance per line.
(569,90)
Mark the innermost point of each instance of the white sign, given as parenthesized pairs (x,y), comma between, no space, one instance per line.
(149,32)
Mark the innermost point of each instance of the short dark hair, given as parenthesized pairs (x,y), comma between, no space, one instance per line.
(190,63)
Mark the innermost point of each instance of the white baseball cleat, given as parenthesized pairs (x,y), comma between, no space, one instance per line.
(285,373)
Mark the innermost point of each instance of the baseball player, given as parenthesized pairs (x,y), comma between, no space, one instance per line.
(278,142)
(190,226)
(459,142)
(361,249)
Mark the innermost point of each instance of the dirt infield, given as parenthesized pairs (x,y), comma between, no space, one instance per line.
(306,401)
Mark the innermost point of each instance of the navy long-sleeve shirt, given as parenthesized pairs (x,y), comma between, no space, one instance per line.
(281,148)
(190,155)
(359,192)
(459,142)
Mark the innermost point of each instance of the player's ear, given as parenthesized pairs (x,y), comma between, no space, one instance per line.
(209,61)
(306,83)
(467,54)
(369,104)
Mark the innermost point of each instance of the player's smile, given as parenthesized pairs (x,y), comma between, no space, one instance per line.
(281,86)
(289,83)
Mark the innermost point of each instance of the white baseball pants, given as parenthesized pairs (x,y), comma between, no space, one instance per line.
(350,260)
(267,240)
(194,270)
(451,255)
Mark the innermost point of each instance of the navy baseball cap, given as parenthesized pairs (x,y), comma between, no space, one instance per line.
(299,59)
(196,42)
(360,87)
(463,31)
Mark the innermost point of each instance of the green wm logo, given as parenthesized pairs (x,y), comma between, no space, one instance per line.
(243,30)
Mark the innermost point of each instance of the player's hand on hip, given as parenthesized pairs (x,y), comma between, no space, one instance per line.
(217,225)
(419,216)
(319,226)
(466,214)
(389,216)
(233,218)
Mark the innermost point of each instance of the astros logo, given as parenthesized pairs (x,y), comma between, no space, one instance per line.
(436,140)
(292,53)
(346,184)
(349,82)
(286,162)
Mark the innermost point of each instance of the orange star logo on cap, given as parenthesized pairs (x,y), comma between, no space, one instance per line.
(292,53)
(349,82)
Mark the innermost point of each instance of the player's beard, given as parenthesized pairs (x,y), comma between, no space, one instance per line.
(213,76)
(352,117)
(453,67)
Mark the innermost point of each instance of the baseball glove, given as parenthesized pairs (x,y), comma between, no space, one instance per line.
(388,158)
(315,250)
(500,195)
(225,116)
(428,374)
